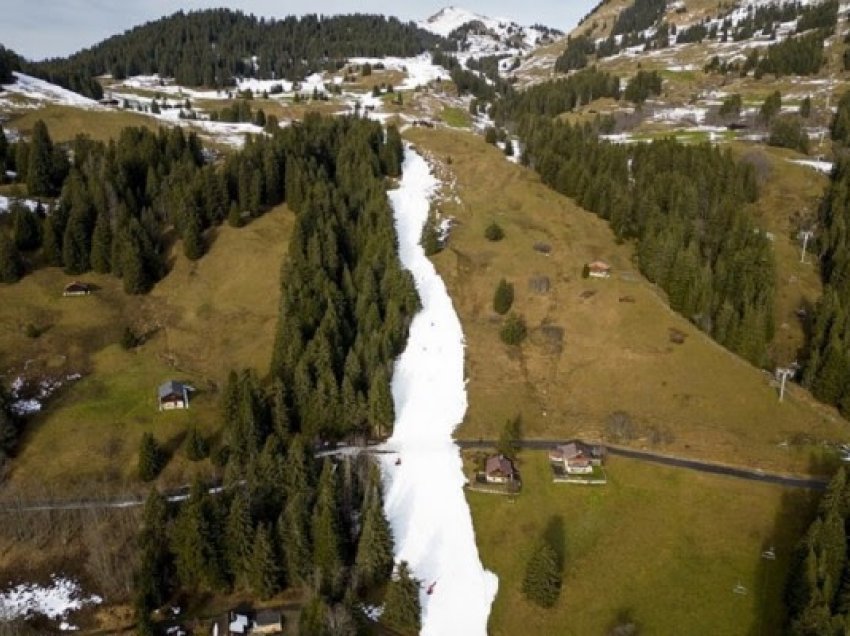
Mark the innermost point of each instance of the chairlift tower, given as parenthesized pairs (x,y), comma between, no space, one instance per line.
(783,373)
(806,236)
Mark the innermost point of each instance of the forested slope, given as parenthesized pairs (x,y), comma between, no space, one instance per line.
(211,47)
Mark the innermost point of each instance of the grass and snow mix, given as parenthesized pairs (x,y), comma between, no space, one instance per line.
(55,601)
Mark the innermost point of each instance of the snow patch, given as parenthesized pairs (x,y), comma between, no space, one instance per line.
(28,399)
(821,166)
(5,202)
(55,601)
(39,90)
(420,70)
(425,503)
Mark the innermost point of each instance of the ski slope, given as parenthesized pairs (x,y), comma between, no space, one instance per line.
(424,498)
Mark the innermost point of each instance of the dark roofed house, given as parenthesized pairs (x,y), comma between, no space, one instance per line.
(578,458)
(173,395)
(268,622)
(77,289)
(499,470)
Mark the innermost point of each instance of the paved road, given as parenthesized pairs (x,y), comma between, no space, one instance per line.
(812,483)
(127,501)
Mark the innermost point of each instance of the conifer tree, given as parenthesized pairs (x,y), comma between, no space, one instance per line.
(196,542)
(264,573)
(4,152)
(381,409)
(76,246)
(39,182)
(494,232)
(771,107)
(197,446)
(193,240)
(101,245)
(327,542)
(542,582)
(313,618)
(26,227)
(239,536)
(503,299)
(513,331)
(151,459)
(402,610)
(374,561)
(9,424)
(294,523)
(11,266)
(510,437)
(151,580)
(132,266)
(52,242)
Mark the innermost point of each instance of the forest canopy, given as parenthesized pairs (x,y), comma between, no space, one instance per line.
(212,47)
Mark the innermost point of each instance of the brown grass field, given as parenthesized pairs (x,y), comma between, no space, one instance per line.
(657,547)
(202,320)
(66,122)
(590,351)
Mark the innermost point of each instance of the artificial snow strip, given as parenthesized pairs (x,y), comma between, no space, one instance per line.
(425,502)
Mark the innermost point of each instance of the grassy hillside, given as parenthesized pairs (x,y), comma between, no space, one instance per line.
(66,122)
(657,547)
(596,346)
(202,320)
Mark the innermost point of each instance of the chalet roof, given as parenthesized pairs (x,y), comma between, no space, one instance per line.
(267,617)
(77,285)
(569,451)
(171,387)
(599,266)
(499,464)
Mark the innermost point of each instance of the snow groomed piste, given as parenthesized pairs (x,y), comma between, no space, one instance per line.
(425,503)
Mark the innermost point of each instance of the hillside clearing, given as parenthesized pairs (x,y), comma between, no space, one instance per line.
(658,547)
(202,320)
(596,347)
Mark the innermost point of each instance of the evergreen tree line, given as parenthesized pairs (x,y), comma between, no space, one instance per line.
(470,82)
(765,19)
(10,427)
(118,201)
(575,56)
(555,97)
(802,55)
(287,519)
(346,302)
(762,20)
(297,523)
(818,591)
(9,61)
(827,367)
(212,47)
(642,86)
(686,208)
(639,16)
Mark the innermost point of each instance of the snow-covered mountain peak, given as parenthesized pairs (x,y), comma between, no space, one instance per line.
(479,35)
(448,19)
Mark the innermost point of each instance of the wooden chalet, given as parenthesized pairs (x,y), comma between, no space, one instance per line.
(599,269)
(77,289)
(499,470)
(173,395)
(577,458)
